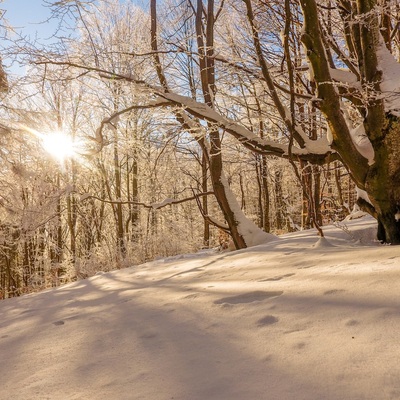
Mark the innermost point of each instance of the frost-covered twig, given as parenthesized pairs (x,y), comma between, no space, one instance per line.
(344,228)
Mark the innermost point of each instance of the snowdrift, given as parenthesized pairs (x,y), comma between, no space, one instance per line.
(293,319)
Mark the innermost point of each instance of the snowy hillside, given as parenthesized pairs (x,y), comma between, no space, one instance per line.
(290,320)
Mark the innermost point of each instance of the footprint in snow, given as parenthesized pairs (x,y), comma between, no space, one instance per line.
(72,317)
(249,297)
(333,291)
(267,320)
(28,311)
(352,322)
(148,335)
(191,296)
(61,322)
(276,278)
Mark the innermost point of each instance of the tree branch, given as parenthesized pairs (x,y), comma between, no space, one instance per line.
(154,206)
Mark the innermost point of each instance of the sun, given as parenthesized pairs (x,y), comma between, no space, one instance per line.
(58,144)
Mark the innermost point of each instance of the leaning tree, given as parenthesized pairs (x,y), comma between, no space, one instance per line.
(353,82)
(352,52)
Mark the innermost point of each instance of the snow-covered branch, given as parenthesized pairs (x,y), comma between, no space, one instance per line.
(318,150)
(154,206)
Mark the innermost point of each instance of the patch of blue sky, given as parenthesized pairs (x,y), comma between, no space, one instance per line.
(28,19)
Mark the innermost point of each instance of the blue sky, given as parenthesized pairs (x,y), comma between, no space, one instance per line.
(29,16)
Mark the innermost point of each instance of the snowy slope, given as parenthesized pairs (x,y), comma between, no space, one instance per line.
(286,320)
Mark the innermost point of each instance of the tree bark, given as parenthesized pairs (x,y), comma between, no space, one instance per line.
(383,182)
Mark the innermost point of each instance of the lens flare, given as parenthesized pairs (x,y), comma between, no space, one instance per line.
(58,144)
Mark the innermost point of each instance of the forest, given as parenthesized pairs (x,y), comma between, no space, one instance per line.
(146,131)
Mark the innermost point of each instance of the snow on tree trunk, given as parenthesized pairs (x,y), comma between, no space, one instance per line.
(252,235)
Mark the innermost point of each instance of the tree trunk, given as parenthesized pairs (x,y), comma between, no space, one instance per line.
(204,26)
(317,193)
(220,188)
(204,184)
(383,182)
(279,201)
(207,75)
(72,217)
(132,183)
(306,184)
(118,194)
(338,182)
(265,192)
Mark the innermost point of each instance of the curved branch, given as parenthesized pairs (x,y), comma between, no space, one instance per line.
(317,152)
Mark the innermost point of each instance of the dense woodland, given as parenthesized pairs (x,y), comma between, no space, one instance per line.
(178,118)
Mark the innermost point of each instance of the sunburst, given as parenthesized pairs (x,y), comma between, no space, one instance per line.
(59,145)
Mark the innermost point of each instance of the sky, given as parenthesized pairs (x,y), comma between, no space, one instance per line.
(30,16)
(31,19)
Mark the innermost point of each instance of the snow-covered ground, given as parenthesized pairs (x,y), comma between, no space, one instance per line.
(287,320)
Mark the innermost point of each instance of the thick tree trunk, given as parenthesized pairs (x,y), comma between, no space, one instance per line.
(383,182)
(220,190)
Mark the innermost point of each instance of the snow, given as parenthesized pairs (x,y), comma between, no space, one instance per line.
(286,320)
(356,213)
(84,196)
(320,146)
(345,77)
(329,134)
(362,194)
(250,232)
(390,85)
(164,203)
(323,242)
(362,143)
